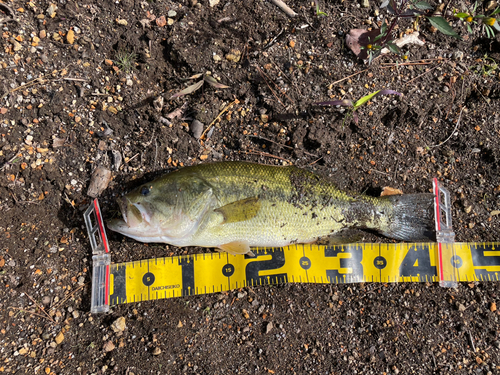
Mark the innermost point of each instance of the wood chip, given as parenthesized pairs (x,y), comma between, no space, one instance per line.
(390,191)
(99,181)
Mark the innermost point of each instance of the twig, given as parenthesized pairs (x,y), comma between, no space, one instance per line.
(265,76)
(471,342)
(236,101)
(29,312)
(314,162)
(279,144)
(68,296)
(420,75)
(453,132)
(41,308)
(9,161)
(253,152)
(343,79)
(285,8)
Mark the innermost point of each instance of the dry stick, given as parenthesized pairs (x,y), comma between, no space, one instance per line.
(279,144)
(267,77)
(29,312)
(236,101)
(68,296)
(454,130)
(285,8)
(254,152)
(413,79)
(343,79)
(37,305)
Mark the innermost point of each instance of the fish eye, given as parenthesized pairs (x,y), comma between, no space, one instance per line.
(145,190)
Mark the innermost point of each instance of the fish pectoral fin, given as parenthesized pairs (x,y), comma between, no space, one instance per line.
(341,238)
(242,210)
(237,247)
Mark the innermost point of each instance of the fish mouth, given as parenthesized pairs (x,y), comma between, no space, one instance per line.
(134,214)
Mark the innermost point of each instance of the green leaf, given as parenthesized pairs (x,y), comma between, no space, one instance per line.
(496,26)
(383,29)
(422,5)
(364,99)
(462,15)
(489,32)
(442,25)
(469,29)
(393,48)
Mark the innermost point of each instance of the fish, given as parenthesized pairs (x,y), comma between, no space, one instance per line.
(234,206)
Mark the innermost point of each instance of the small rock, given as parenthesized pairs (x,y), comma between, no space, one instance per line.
(365,3)
(42,34)
(129,82)
(234,55)
(12,263)
(23,351)
(493,307)
(70,36)
(245,314)
(468,209)
(157,351)
(108,62)
(213,2)
(171,13)
(197,128)
(59,338)
(122,22)
(51,10)
(161,21)
(446,89)
(46,300)
(180,325)
(217,58)
(458,55)
(170,21)
(241,295)
(461,307)
(108,346)
(17,46)
(118,325)
(76,314)
(269,327)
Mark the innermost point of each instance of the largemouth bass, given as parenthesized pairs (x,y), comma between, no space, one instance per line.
(234,206)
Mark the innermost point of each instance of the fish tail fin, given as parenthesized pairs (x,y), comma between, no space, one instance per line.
(411,217)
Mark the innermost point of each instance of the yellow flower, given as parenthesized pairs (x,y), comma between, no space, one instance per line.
(469,19)
(490,21)
(369,46)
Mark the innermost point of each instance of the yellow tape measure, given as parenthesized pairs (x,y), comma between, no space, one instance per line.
(197,274)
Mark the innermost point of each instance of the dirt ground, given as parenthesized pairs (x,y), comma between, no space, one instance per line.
(89,83)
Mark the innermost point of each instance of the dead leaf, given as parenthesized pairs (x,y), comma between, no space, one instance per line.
(390,191)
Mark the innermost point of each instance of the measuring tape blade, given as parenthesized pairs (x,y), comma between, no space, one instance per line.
(198,274)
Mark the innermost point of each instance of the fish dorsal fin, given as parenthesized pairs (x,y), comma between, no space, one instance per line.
(237,248)
(242,210)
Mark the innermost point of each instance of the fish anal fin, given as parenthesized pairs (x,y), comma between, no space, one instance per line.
(242,210)
(341,238)
(237,248)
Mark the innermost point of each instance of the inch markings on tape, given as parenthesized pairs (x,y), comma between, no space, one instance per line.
(197,274)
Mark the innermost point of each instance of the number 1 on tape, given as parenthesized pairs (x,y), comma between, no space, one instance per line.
(445,237)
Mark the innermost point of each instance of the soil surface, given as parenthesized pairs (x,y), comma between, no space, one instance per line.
(89,84)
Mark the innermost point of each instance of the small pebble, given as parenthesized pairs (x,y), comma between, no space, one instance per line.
(446,88)
(109,346)
(269,327)
(157,351)
(171,13)
(118,325)
(197,128)
(46,300)
(59,338)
